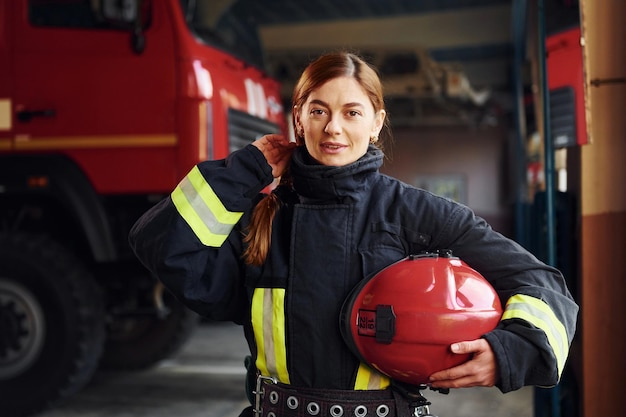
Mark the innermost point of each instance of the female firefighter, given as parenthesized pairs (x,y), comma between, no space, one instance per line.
(282,264)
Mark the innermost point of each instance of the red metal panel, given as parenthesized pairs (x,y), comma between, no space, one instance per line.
(565,68)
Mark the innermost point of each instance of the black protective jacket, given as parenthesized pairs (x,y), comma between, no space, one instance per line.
(336,226)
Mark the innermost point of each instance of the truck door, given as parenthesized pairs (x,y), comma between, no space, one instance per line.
(82,90)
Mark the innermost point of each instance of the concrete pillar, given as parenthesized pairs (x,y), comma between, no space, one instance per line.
(603,210)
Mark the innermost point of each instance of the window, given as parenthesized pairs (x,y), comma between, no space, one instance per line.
(86,14)
(217,24)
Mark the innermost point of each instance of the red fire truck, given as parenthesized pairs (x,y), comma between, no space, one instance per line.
(104,106)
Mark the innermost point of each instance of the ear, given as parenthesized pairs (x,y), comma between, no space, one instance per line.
(379,121)
(298,129)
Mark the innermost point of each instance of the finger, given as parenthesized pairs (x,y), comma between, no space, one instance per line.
(465,382)
(268,141)
(476,372)
(456,372)
(474,365)
(470,380)
(273,137)
(468,374)
(468,346)
(276,139)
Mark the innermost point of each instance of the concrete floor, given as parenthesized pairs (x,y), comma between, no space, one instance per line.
(206,379)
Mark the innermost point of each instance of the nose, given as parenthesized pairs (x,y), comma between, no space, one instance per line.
(333,126)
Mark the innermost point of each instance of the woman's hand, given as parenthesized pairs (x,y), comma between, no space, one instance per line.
(277,151)
(480,371)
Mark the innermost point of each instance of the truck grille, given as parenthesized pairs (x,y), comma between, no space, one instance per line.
(244,128)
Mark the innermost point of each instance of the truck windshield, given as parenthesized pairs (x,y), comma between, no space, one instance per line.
(214,24)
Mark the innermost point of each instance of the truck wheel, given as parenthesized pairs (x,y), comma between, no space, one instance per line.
(51,324)
(141,341)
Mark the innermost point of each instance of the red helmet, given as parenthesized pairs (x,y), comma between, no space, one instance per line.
(404,319)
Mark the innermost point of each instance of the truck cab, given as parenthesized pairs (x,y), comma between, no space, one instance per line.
(104,106)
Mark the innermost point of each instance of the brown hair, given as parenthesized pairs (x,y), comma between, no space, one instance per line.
(317,73)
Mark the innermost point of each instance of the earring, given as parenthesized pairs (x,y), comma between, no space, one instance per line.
(374,139)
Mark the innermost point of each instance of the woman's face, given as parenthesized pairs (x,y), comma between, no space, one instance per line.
(338,120)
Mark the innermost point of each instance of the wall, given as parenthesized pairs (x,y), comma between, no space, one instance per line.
(603,216)
(479,155)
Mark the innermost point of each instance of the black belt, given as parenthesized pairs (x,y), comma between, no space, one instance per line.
(273,399)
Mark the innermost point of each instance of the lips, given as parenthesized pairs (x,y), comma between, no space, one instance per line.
(332,146)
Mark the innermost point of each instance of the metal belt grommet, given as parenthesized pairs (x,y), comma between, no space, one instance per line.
(382,410)
(360,411)
(292,402)
(336,411)
(274,397)
(313,408)
(271,414)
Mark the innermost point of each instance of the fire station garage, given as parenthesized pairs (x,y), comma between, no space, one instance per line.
(511,107)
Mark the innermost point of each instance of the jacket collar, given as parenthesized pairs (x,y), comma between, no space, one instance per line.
(319,183)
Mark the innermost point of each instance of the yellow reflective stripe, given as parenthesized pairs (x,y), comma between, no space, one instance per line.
(268,324)
(5,114)
(370,379)
(202,209)
(539,314)
(257,327)
(94,141)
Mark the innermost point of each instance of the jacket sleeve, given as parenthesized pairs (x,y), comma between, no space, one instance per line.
(532,341)
(191,240)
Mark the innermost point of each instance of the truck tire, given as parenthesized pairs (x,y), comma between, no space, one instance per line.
(51,324)
(142,341)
